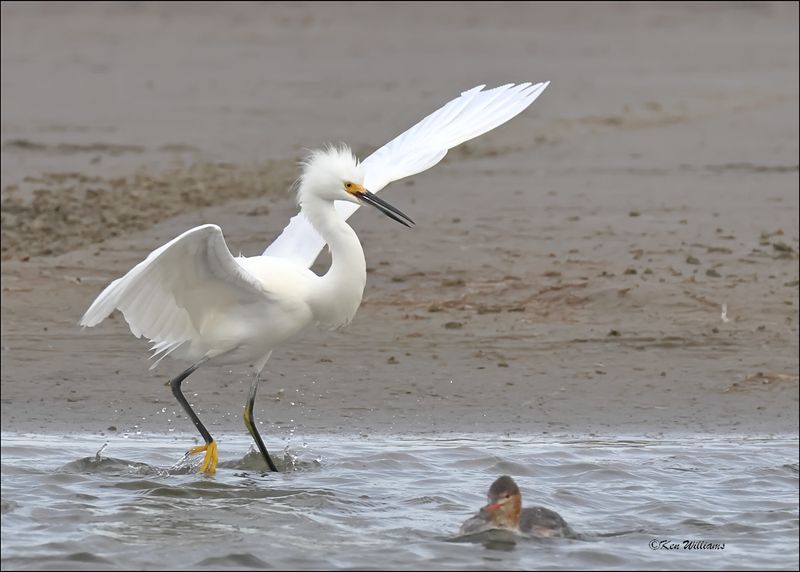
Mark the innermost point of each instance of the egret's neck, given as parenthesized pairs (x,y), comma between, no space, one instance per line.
(338,293)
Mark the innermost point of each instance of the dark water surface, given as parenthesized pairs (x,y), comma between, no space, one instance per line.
(396,502)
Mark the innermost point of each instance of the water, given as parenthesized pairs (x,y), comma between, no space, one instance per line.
(396,502)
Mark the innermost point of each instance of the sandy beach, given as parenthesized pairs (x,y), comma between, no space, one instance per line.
(620,259)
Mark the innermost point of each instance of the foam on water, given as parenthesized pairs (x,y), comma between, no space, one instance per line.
(396,502)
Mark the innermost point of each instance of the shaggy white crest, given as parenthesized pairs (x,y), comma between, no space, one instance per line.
(326,170)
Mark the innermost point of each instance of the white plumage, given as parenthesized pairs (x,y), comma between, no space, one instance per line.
(194,301)
(184,292)
(472,114)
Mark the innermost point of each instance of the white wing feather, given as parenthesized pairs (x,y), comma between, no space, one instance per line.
(168,296)
(472,114)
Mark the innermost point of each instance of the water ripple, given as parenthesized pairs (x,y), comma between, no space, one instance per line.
(396,503)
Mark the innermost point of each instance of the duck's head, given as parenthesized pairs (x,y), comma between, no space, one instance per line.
(505,503)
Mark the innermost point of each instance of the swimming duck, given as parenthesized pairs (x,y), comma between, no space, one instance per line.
(504,510)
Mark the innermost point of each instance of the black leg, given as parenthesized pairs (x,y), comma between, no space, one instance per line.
(251,427)
(176,391)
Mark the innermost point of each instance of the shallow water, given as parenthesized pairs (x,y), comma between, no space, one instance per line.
(391,502)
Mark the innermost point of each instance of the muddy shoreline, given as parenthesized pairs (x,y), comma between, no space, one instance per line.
(567,273)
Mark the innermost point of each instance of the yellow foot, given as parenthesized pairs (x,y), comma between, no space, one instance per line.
(209,464)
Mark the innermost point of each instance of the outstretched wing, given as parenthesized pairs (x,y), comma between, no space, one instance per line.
(168,296)
(472,114)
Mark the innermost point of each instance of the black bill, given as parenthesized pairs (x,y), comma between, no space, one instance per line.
(385,208)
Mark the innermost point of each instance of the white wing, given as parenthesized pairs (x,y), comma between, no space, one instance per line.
(472,114)
(168,296)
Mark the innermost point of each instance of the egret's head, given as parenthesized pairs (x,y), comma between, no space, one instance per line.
(505,502)
(334,174)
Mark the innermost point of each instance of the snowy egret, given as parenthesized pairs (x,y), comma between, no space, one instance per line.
(504,510)
(196,302)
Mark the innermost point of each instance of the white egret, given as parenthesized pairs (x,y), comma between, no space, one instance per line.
(196,302)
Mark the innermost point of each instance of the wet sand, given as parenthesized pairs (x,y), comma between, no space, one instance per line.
(567,273)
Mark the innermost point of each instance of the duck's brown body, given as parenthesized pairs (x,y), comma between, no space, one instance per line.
(544,522)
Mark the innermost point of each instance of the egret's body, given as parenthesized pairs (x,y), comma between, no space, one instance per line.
(198,303)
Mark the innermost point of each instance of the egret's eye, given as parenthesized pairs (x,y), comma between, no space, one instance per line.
(348,186)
